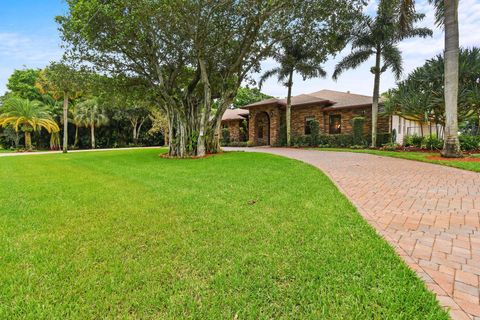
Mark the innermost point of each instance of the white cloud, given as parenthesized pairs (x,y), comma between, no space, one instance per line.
(18,51)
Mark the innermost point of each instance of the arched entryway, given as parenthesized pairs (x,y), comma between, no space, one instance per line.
(262,129)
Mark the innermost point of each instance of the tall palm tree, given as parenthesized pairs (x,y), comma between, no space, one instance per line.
(446,16)
(379,37)
(91,115)
(28,116)
(62,83)
(295,57)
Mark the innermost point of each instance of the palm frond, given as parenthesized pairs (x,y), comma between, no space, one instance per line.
(352,61)
(393,60)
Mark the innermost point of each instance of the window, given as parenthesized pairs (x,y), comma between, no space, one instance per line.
(308,120)
(335,124)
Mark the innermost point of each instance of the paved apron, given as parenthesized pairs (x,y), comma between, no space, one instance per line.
(429,213)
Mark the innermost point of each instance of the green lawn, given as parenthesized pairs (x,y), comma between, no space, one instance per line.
(418,156)
(127,234)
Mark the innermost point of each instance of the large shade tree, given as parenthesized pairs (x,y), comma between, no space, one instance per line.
(378,37)
(28,116)
(195,54)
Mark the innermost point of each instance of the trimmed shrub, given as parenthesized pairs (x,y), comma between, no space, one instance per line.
(412,141)
(469,142)
(357,125)
(432,142)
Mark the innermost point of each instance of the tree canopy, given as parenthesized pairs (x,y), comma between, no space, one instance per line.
(193,53)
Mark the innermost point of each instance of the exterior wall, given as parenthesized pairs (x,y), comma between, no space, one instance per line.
(274,115)
(233,129)
(323,117)
(299,115)
(404,127)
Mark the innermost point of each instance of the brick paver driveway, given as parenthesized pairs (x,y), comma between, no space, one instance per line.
(429,213)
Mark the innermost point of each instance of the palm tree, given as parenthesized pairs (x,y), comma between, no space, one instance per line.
(62,83)
(295,56)
(91,115)
(28,116)
(446,16)
(76,119)
(379,37)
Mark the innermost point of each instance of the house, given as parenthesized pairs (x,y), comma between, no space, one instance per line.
(236,122)
(333,110)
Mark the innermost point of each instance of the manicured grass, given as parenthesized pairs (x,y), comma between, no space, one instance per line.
(127,234)
(418,156)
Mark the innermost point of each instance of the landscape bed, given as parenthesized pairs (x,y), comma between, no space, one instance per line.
(128,234)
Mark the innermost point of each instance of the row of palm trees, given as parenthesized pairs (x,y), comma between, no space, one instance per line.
(32,116)
(379,37)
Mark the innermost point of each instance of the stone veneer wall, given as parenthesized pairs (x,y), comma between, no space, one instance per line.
(274,115)
(299,114)
(233,128)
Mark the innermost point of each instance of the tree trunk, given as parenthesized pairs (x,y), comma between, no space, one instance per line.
(376,95)
(75,144)
(92,133)
(451,147)
(65,123)
(134,125)
(288,113)
(28,140)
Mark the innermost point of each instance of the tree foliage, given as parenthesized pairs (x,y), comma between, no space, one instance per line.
(194,54)
(421,95)
(379,37)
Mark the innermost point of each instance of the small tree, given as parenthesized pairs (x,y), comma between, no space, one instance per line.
(28,116)
(91,115)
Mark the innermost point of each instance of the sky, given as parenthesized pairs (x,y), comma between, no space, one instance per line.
(29,38)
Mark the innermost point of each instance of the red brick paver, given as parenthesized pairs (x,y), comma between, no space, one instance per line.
(429,213)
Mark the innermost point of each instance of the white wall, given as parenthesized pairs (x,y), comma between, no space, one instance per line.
(405,127)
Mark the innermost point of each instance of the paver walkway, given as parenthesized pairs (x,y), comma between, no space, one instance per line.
(429,213)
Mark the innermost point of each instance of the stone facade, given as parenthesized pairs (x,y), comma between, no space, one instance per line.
(300,114)
(264,125)
(233,127)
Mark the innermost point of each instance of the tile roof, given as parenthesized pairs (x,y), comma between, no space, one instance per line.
(235,114)
(329,98)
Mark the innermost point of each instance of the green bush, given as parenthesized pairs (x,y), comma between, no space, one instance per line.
(432,142)
(469,142)
(236,144)
(382,138)
(225,136)
(413,140)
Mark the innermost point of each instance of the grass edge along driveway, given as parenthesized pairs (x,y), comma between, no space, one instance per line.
(128,234)
(411,155)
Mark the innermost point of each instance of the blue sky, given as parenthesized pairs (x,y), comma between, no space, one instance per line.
(29,38)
